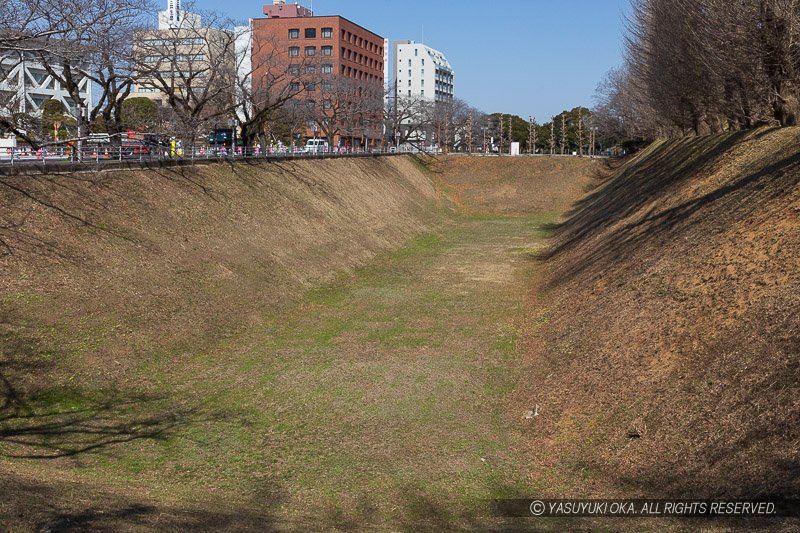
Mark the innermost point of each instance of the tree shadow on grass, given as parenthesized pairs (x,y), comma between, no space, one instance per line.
(39,432)
(41,418)
(633,187)
(668,164)
(65,506)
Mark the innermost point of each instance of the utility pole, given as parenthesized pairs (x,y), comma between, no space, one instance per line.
(563,133)
(396,130)
(500,140)
(509,122)
(80,123)
(530,134)
(553,136)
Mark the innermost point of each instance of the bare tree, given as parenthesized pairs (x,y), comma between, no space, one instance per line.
(77,44)
(461,126)
(469,132)
(266,80)
(704,66)
(30,25)
(194,68)
(408,119)
(340,107)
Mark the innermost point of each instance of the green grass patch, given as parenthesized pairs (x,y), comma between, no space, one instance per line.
(393,376)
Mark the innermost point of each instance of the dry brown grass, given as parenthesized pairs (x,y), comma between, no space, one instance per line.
(667,334)
(301,345)
(226,347)
(140,261)
(516,185)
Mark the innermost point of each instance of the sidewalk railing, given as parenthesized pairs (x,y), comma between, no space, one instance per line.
(97,155)
(104,154)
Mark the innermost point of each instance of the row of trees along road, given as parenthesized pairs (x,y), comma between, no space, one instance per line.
(704,66)
(201,80)
(569,129)
(195,70)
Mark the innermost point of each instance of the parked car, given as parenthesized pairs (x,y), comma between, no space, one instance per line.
(316,146)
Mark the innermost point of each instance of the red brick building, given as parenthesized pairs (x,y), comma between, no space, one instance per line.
(321,48)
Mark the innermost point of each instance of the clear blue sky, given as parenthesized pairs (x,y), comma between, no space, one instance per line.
(512,56)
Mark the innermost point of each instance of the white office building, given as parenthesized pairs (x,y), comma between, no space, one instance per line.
(26,85)
(174,17)
(421,71)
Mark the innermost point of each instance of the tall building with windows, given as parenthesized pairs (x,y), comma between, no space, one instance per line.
(175,17)
(182,53)
(421,71)
(318,51)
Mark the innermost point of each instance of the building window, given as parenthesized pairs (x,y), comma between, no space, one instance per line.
(311,69)
(327,33)
(327,50)
(416,52)
(409,62)
(294,69)
(311,87)
(311,33)
(327,86)
(326,104)
(311,51)
(294,87)
(422,92)
(294,51)
(409,83)
(409,73)
(327,69)
(423,62)
(294,33)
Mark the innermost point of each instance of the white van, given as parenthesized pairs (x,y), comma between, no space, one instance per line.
(7,147)
(316,146)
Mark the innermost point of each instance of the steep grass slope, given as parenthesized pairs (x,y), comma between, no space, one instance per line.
(195,349)
(666,337)
(514,185)
(101,270)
